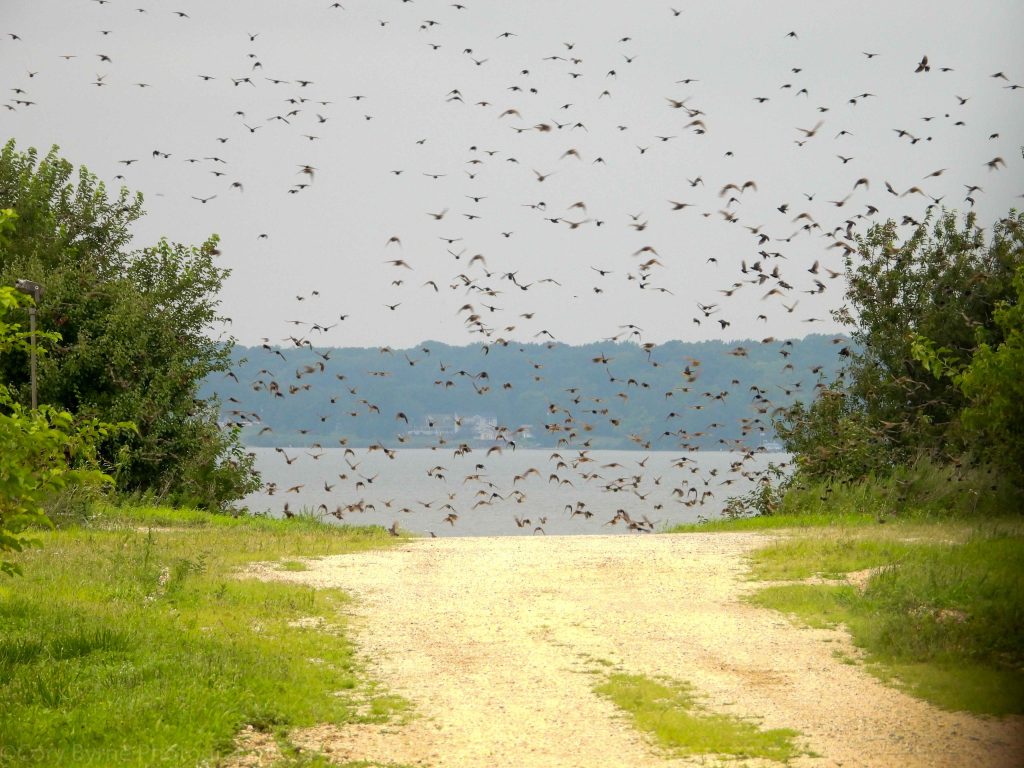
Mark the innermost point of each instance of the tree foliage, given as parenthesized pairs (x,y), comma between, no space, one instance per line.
(134,325)
(832,437)
(992,382)
(42,451)
(943,284)
(942,300)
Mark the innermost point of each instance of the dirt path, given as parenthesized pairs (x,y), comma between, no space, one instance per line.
(494,640)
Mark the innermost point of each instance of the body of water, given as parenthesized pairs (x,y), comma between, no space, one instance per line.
(527,491)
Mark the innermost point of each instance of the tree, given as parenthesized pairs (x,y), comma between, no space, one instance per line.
(135,328)
(41,451)
(944,284)
(832,437)
(992,382)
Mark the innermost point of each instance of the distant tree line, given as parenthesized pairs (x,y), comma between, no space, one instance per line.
(619,394)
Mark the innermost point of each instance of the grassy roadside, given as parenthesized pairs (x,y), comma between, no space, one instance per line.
(130,642)
(936,602)
(777,522)
(670,712)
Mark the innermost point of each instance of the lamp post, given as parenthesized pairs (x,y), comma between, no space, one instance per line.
(35,290)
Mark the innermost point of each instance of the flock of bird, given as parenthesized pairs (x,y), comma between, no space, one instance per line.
(453,253)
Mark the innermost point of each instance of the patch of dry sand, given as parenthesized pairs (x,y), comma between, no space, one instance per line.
(495,640)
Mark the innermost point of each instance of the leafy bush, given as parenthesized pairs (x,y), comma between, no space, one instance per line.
(833,437)
(943,283)
(993,383)
(937,363)
(762,500)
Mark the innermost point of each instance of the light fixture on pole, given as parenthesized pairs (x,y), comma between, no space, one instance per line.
(35,290)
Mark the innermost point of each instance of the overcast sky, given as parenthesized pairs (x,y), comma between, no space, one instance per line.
(435,82)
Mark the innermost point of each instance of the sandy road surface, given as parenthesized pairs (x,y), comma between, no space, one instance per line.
(495,641)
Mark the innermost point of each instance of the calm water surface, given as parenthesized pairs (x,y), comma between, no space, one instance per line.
(522,490)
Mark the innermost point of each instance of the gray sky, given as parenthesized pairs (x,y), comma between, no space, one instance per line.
(332,235)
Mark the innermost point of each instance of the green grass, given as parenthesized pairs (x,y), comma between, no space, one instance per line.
(814,605)
(670,712)
(794,520)
(921,491)
(942,618)
(130,642)
(827,554)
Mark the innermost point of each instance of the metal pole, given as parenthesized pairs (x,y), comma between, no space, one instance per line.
(32,335)
(35,290)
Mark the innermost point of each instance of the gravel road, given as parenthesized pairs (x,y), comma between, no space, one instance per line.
(497,642)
